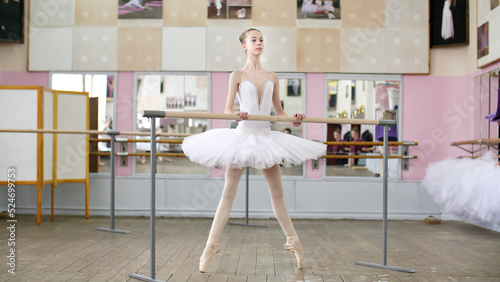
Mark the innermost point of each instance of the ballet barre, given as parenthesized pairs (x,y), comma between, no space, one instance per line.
(113,137)
(162,114)
(489,143)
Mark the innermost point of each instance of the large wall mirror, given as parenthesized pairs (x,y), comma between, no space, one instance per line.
(361,97)
(485,102)
(186,92)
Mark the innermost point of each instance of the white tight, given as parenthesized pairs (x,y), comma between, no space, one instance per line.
(232,178)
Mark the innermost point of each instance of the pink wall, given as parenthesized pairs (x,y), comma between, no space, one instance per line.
(436,111)
(219,92)
(315,86)
(24,78)
(125,114)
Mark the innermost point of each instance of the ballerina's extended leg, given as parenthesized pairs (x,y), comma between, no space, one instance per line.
(232,179)
(273,179)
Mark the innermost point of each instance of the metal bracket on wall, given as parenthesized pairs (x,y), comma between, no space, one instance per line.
(405,152)
(123,141)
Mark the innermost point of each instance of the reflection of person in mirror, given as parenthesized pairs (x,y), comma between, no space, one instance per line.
(335,149)
(252,144)
(355,149)
(447,30)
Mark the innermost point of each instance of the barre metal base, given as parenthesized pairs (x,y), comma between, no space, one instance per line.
(247,180)
(144,278)
(384,213)
(408,270)
(112,230)
(246,224)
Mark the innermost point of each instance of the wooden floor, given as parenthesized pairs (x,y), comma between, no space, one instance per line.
(70,249)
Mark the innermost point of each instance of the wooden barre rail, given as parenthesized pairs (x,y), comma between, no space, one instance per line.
(367,143)
(172,141)
(472,157)
(476,142)
(164,114)
(121,154)
(110,132)
(179,141)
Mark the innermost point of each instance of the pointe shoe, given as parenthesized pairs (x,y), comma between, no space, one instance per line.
(293,245)
(208,252)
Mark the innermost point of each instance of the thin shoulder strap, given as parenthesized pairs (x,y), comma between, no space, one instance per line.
(244,75)
(270,78)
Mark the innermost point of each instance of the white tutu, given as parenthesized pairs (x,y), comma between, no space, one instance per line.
(252,143)
(239,148)
(469,188)
(447,30)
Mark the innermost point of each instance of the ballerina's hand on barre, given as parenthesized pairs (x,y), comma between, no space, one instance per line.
(300,117)
(243,115)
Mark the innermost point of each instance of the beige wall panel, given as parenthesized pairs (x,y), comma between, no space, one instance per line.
(483,8)
(280,49)
(139,49)
(494,35)
(94,48)
(407,14)
(318,50)
(362,51)
(45,13)
(51,49)
(407,52)
(363,13)
(184,48)
(184,13)
(274,13)
(224,52)
(96,13)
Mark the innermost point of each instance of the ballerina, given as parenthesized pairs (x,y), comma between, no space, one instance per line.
(252,144)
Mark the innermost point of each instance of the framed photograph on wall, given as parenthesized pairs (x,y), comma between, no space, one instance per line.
(482,40)
(449,22)
(488,49)
(140,9)
(229,9)
(316,9)
(11,20)
(494,3)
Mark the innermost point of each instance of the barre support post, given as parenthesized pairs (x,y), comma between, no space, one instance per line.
(384,212)
(112,159)
(247,183)
(153,212)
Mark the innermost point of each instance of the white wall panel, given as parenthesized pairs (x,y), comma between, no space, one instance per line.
(184,48)
(51,49)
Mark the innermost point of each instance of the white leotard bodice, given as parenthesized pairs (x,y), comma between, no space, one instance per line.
(249,102)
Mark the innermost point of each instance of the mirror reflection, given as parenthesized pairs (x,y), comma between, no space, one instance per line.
(170,92)
(360,99)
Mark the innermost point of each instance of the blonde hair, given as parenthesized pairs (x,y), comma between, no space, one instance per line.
(244,34)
